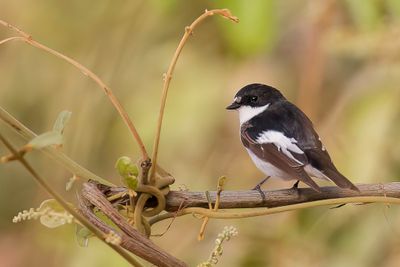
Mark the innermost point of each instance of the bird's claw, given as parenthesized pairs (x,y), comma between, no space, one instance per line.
(295,188)
(258,188)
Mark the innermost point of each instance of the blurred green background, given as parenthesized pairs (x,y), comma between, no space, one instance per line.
(338,60)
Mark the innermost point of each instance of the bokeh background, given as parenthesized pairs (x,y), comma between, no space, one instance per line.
(338,60)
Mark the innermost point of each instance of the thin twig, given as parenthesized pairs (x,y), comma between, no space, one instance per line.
(168,76)
(66,206)
(170,223)
(11,39)
(220,187)
(115,102)
(167,215)
(200,236)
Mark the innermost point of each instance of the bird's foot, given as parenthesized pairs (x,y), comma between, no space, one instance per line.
(258,187)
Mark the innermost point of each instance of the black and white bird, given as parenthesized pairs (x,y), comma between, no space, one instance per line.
(281,139)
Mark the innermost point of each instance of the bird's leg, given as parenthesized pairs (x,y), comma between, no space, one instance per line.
(258,187)
(296,185)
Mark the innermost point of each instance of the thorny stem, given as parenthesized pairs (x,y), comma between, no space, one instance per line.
(66,206)
(115,102)
(168,76)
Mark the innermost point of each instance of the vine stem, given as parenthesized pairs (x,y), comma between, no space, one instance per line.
(221,182)
(223,214)
(27,38)
(255,212)
(168,76)
(42,182)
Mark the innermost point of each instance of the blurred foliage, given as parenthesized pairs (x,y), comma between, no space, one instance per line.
(338,60)
(257,30)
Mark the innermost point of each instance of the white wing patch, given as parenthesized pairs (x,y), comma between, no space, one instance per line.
(246,112)
(282,142)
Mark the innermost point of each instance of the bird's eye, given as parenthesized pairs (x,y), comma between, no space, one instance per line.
(254,99)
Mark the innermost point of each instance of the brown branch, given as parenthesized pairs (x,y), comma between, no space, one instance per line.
(132,240)
(198,203)
(276,198)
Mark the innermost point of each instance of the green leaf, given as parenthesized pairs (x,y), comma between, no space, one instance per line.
(128,171)
(46,139)
(61,121)
(82,235)
(131,182)
(125,167)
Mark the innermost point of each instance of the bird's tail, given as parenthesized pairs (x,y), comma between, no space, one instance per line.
(340,180)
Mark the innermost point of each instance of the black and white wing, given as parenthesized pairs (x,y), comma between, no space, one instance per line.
(291,121)
(280,151)
(317,155)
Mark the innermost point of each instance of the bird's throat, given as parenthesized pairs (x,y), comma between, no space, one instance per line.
(246,113)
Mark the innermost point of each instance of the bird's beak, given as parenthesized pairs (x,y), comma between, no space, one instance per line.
(234,105)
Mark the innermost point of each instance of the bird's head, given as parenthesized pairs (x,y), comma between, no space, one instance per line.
(254,99)
(255,95)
